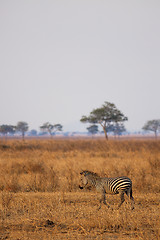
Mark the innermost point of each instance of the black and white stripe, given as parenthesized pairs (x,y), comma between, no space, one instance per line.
(119,184)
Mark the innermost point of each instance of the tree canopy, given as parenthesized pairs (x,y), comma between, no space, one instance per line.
(22,127)
(50,128)
(116,128)
(106,115)
(5,129)
(152,125)
(93,129)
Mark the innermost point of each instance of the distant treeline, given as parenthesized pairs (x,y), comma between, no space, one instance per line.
(107,116)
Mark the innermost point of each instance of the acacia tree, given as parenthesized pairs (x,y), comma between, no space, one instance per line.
(5,129)
(153,126)
(50,128)
(116,128)
(106,115)
(93,129)
(22,127)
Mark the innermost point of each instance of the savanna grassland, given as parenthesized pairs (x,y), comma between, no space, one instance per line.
(40,198)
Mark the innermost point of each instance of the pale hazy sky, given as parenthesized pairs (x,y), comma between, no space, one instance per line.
(59,59)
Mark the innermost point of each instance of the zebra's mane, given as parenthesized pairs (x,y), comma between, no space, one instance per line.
(86,172)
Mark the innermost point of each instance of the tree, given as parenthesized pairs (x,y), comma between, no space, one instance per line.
(5,129)
(116,128)
(106,115)
(57,128)
(22,127)
(33,132)
(153,126)
(93,129)
(51,129)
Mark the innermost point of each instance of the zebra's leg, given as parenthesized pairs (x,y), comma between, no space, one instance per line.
(127,192)
(132,200)
(130,197)
(100,204)
(103,199)
(122,199)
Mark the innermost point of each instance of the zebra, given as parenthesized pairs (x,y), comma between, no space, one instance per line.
(117,185)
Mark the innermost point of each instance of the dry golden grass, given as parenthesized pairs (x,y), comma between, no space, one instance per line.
(40,199)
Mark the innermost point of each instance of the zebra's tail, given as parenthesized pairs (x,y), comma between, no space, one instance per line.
(131,197)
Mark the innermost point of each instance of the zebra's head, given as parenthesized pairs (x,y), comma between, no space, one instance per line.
(83,180)
(87,178)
